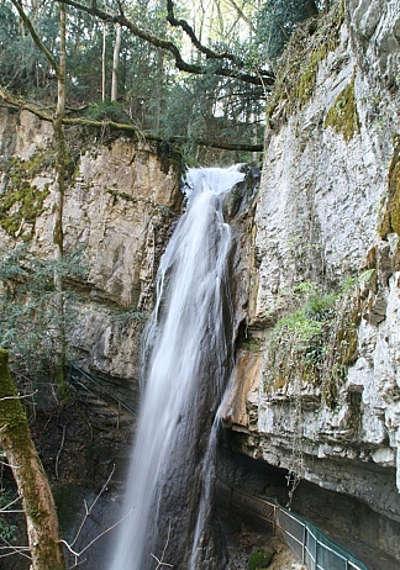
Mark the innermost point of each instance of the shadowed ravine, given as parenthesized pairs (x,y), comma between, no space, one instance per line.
(187,356)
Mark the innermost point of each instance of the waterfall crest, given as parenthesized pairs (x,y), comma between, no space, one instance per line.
(187,351)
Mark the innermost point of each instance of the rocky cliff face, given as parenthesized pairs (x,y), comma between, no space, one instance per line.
(119,206)
(316,386)
(317,379)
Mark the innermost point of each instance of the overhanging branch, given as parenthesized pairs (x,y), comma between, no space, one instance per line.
(169,46)
(18,103)
(180,23)
(242,15)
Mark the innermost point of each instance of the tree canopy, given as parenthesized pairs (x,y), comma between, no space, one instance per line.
(197,72)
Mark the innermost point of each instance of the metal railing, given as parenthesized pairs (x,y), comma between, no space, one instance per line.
(309,544)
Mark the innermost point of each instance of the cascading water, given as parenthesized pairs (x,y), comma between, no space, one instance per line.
(187,359)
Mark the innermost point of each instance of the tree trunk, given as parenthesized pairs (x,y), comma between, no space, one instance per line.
(31,480)
(159,89)
(114,81)
(103,64)
(58,233)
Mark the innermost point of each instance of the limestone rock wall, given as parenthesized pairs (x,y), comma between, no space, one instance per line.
(317,381)
(120,204)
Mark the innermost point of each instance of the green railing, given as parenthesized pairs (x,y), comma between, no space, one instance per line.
(307,542)
(311,546)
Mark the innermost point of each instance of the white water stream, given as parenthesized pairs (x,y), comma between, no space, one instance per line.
(187,353)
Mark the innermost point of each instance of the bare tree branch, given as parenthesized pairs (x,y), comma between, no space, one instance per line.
(77,554)
(169,46)
(160,561)
(21,550)
(18,396)
(241,14)
(6,508)
(180,23)
(60,450)
(88,511)
(18,103)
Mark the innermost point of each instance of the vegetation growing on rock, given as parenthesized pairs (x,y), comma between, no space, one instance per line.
(342,117)
(260,559)
(21,200)
(391,216)
(317,342)
(296,78)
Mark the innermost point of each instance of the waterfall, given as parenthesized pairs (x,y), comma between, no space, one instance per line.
(187,355)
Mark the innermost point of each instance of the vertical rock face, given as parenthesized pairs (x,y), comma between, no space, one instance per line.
(119,206)
(318,373)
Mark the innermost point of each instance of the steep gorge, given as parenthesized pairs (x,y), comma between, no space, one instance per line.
(317,375)
(316,383)
(121,202)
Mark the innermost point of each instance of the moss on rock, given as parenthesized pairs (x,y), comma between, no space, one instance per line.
(260,558)
(316,344)
(343,116)
(390,222)
(21,201)
(342,347)
(298,67)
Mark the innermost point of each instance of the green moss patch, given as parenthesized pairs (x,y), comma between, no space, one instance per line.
(391,216)
(342,348)
(13,418)
(343,117)
(21,201)
(298,67)
(317,342)
(260,559)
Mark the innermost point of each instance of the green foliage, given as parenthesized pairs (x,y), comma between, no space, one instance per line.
(8,531)
(153,94)
(258,560)
(107,110)
(277,21)
(23,68)
(317,342)
(29,309)
(317,308)
(307,323)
